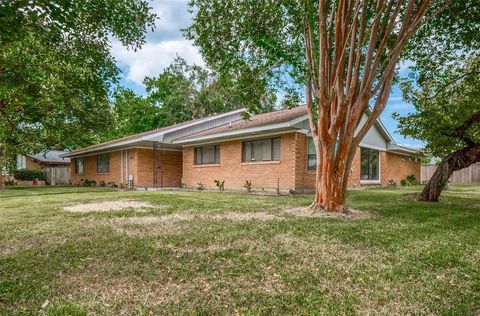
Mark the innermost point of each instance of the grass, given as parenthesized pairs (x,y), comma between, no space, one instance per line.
(205,253)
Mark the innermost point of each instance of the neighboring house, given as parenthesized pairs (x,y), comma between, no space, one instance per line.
(271,150)
(42,160)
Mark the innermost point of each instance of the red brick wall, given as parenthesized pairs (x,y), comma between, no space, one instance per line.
(32,164)
(169,165)
(291,170)
(90,169)
(231,169)
(397,167)
(140,166)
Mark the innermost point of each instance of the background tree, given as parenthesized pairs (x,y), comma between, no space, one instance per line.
(183,92)
(56,69)
(447,118)
(344,52)
(132,114)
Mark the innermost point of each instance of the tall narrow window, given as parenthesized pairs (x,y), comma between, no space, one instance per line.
(103,163)
(311,155)
(207,155)
(79,165)
(261,150)
(369,164)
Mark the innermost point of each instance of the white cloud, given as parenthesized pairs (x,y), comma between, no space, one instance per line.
(163,44)
(152,58)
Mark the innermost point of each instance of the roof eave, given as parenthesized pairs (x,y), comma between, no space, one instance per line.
(241,131)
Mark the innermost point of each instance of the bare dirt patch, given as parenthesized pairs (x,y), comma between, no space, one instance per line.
(107,206)
(349,214)
(173,223)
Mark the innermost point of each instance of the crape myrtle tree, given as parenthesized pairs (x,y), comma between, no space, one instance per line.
(447,118)
(344,52)
(56,69)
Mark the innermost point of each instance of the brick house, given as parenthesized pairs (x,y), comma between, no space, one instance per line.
(272,150)
(42,160)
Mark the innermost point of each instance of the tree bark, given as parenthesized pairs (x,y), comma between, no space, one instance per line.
(457,160)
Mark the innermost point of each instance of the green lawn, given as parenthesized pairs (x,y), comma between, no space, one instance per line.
(211,253)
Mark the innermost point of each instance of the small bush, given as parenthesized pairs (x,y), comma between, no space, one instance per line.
(200,186)
(412,180)
(220,184)
(403,182)
(29,174)
(248,186)
(89,183)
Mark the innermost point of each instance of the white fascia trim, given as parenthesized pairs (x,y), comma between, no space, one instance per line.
(80,155)
(363,145)
(241,131)
(219,141)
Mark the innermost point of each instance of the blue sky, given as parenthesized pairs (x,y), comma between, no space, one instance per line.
(167,41)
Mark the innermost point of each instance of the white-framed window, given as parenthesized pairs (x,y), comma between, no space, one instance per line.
(103,163)
(369,164)
(21,162)
(79,165)
(261,150)
(207,155)
(311,155)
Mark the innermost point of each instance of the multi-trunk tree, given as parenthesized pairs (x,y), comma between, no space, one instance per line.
(345,52)
(447,118)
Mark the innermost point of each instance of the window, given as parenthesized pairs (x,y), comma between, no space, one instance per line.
(103,163)
(79,163)
(369,164)
(261,150)
(311,155)
(207,155)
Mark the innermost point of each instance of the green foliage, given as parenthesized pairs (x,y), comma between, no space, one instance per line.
(29,174)
(409,181)
(412,180)
(89,183)
(220,184)
(268,36)
(132,114)
(444,101)
(183,92)
(56,69)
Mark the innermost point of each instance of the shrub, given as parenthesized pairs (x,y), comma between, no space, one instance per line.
(200,186)
(412,180)
(248,186)
(89,183)
(220,184)
(403,182)
(29,174)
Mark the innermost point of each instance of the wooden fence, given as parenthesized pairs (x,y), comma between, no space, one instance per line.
(57,175)
(467,175)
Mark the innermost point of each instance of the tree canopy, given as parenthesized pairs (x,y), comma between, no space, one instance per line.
(447,108)
(56,69)
(184,92)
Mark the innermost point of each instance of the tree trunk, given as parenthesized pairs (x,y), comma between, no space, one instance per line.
(331,180)
(457,160)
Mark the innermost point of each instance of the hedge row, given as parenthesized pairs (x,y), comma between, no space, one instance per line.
(29,174)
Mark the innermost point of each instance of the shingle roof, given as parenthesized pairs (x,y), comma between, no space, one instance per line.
(274,117)
(150,132)
(51,156)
